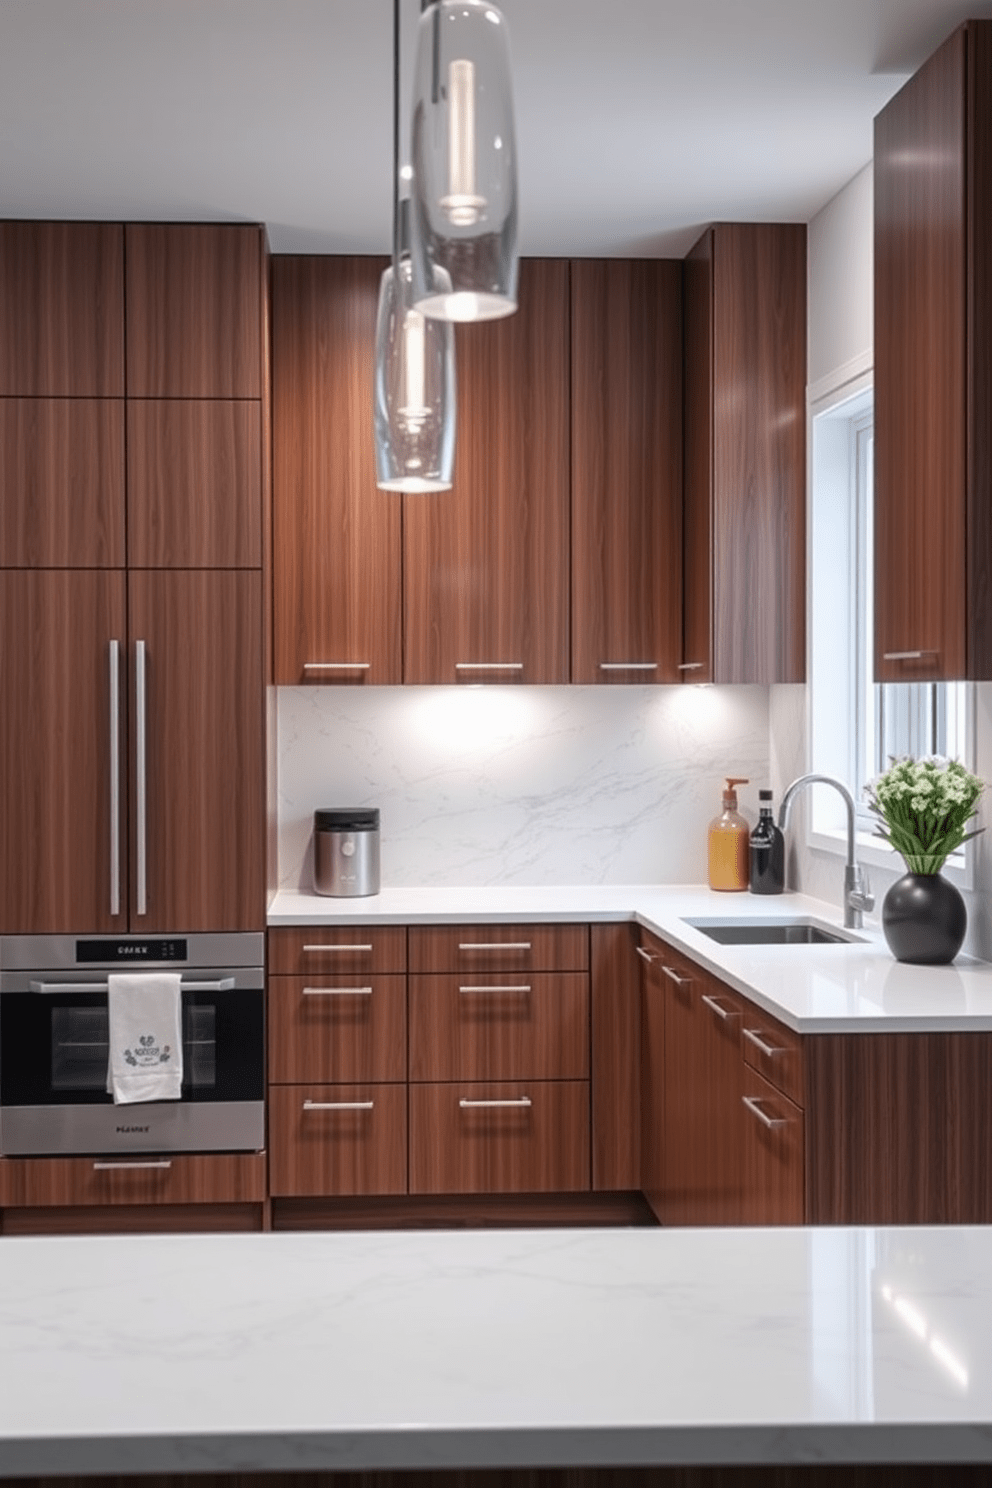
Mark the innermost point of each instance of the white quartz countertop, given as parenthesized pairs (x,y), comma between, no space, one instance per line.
(433,1349)
(836,988)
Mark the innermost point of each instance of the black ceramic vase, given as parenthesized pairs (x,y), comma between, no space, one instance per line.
(924,919)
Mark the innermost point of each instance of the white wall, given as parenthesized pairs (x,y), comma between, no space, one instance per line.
(840,268)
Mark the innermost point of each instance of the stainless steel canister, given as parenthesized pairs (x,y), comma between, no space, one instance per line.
(346,851)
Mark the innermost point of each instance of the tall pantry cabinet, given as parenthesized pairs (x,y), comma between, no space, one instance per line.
(131,672)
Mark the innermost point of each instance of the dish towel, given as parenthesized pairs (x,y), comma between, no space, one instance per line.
(146,1047)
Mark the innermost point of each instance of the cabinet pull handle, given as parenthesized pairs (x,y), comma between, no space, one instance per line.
(475,1105)
(907,655)
(337,991)
(628,666)
(717,1008)
(690,666)
(313,949)
(337,666)
(141,772)
(754,1106)
(309,1105)
(673,976)
(115,779)
(645,955)
(221,984)
(523,987)
(494,945)
(112,1167)
(489,666)
(769,1050)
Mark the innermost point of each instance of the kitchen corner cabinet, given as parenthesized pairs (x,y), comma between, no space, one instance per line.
(744,514)
(933,368)
(626,512)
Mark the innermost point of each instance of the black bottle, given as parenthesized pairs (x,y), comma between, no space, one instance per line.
(767,851)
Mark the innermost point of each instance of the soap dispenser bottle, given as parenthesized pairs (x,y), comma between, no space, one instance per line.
(767,850)
(727,842)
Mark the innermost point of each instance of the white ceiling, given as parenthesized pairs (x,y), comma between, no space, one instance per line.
(638,121)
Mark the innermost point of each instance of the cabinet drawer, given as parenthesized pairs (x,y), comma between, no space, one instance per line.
(462,948)
(337,1028)
(668,967)
(773,1169)
(520,1137)
(493,1027)
(304,950)
(197,1178)
(329,1140)
(774,1051)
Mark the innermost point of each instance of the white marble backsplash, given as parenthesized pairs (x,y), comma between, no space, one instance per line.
(520,785)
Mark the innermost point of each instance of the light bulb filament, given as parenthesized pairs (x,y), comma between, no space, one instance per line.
(462,203)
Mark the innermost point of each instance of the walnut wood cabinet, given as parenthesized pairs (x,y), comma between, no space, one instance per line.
(933,368)
(745,455)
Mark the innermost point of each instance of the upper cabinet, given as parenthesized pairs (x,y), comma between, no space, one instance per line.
(745,455)
(626,384)
(933,368)
(486,564)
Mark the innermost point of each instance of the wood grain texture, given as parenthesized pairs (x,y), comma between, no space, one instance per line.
(206,738)
(337,539)
(697,517)
(759,452)
(979,353)
(326,1152)
(57,626)
(191,1178)
(540,1148)
(61,309)
(193,323)
(499,948)
(135,1219)
(310,950)
(194,495)
(61,483)
(786,1067)
(463,1211)
(920,364)
(897,1129)
(773,1158)
(486,564)
(520,1028)
(626,366)
(654,1139)
(616,1058)
(349,1035)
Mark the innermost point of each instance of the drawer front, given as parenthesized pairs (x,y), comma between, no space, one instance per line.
(487,1026)
(669,968)
(536,1141)
(773,1175)
(463,948)
(334,1140)
(774,1051)
(304,950)
(198,1178)
(329,1029)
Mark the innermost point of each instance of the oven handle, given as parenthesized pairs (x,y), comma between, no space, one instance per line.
(223,984)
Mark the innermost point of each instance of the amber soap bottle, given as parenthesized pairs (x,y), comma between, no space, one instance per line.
(727,842)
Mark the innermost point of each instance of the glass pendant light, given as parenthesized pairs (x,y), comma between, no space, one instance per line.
(464,205)
(414,387)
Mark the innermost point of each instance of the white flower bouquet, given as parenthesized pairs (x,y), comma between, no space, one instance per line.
(925,805)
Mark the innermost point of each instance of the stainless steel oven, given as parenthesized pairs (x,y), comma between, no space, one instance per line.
(54,1045)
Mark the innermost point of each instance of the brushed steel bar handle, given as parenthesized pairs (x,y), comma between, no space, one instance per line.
(477,1105)
(755,1038)
(337,666)
(112,1167)
(337,991)
(690,666)
(313,949)
(673,976)
(220,984)
(754,1106)
(628,666)
(907,655)
(141,766)
(309,1105)
(494,945)
(715,1007)
(523,987)
(645,955)
(489,666)
(115,778)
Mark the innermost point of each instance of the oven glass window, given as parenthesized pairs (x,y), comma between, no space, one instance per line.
(80,1047)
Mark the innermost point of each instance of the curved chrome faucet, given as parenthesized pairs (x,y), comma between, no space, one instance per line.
(857,890)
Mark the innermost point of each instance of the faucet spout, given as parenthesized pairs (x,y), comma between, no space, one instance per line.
(857,891)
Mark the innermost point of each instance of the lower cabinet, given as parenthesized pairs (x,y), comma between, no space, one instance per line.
(337,1139)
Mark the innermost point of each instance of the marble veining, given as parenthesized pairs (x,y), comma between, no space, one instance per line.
(519,785)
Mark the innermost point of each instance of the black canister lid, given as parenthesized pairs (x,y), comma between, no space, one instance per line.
(347,819)
(764,795)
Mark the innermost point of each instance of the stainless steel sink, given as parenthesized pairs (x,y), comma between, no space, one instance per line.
(771,932)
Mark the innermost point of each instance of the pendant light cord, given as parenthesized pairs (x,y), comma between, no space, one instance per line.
(396,139)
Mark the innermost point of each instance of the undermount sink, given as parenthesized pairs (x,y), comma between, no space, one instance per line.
(771,932)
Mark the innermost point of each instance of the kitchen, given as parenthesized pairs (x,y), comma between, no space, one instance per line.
(564,819)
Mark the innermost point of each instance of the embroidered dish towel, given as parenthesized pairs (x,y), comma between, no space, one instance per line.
(146,1048)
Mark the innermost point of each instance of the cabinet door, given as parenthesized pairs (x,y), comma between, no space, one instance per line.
(194,311)
(654,1098)
(626,470)
(773,1155)
(201,796)
(61,482)
(61,309)
(336,536)
(615,1054)
(486,564)
(697,538)
(57,742)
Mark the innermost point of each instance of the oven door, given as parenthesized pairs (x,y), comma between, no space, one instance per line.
(53,1074)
